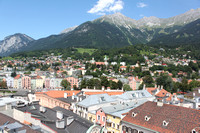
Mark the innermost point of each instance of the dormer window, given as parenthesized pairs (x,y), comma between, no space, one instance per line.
(147,118)
(165,123)
(193,131)
(134,114)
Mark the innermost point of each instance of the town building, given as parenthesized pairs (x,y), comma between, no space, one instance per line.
(152,117)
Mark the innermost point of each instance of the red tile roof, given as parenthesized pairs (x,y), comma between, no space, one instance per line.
(181,119)
(17,77)
(103,92)
(150,89)
(162,93)
(58,94)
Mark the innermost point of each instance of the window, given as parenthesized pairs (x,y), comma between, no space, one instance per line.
(117,127)
(147,118)
(108,124)
(193,131)
(104,119)
(134,114)
(114,117)
(133,95)
(142,94)
(98,117)
(113,125)
(165,123)
(102,99)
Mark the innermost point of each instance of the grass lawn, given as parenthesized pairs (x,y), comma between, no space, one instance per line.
(86,50)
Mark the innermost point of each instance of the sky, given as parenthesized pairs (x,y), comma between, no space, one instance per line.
(41,18)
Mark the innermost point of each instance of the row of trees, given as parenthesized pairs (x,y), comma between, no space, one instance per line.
(171,86)
(98,83)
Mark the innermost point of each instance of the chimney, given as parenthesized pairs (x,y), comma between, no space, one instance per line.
(60,124)
(94,87)
(80,98)
(193,94)
(161,87)
(73,96)
(65,95)
(59,115)
(70,119)
(42,109)
(77,99)
(155,85)
(159,103)
(102,88)
(144,87)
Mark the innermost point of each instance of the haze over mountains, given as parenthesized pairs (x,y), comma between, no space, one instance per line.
(114,30)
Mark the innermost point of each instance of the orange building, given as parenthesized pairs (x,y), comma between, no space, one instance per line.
(51,99)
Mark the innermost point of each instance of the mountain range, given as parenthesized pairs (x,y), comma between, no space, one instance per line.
(114,30)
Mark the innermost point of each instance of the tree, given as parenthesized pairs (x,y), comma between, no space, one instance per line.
(104,81)
(184,85)
(127,87)
(113,85)
(166,81)
(83,84)
(13,74)
(64,83)
(3,85)
(120,84)
(194,84)
(148,80)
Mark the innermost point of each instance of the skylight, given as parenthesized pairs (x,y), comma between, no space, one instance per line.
(102,99)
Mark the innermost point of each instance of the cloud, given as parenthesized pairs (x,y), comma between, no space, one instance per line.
(141,5)
(141,15)
(103,6)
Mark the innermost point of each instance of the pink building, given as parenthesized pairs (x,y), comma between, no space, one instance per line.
(73,81)
(26,82)
(134,82)
(101,117)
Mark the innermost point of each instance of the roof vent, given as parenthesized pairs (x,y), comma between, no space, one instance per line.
(42,109)
(59,115)
(70,119)
(60,123)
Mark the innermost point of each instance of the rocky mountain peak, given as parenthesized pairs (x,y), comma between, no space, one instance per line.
(14,43)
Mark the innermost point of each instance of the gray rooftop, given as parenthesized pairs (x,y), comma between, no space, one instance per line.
(96,99)
(139,94)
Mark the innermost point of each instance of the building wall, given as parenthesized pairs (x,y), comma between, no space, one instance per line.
(92,117)
(73,81)
(39,83)
(50,102)
(10,82)
(101,117)
(25,117)
(26,82)
(114,125)
(131,127)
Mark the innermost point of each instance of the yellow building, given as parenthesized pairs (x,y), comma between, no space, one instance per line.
(113,124)
(39,82)
(92,116)
(17,82)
